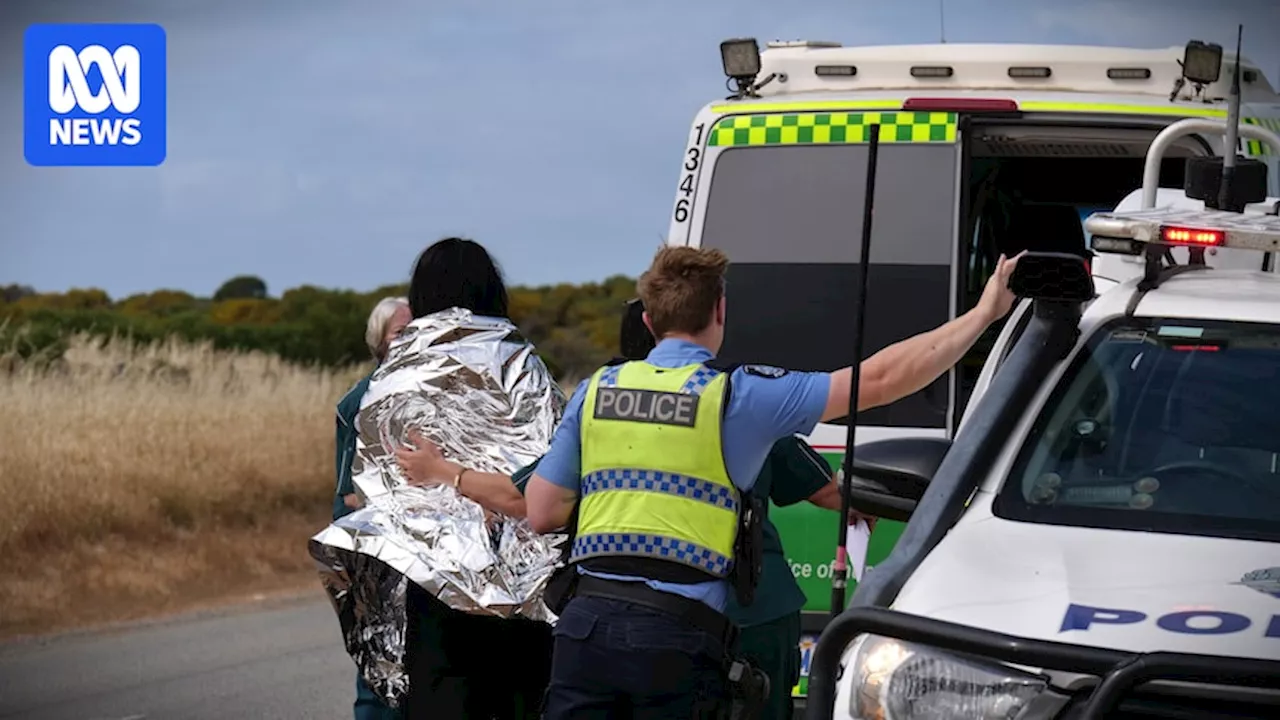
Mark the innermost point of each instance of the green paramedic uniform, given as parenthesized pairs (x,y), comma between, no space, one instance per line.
(770,626)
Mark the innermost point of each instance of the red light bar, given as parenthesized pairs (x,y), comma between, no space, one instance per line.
(959,105)
(1195,348)
(1191,236)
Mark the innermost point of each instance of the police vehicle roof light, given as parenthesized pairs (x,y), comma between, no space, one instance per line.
(959,105)
(1201,237)
(1202,62)
(740,58)
(1121,231)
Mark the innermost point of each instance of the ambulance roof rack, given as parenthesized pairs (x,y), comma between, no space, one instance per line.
(809,67)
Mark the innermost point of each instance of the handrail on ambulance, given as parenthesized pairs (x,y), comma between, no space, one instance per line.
(1181,129)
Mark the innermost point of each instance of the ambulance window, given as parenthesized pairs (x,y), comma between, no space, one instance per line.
(1166,425)
(790,219)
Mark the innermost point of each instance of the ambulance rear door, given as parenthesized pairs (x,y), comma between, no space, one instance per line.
(784,198)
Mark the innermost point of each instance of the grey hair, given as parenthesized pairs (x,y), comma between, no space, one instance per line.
(381,316)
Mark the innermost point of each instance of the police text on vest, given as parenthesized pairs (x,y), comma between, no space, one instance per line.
(652,406)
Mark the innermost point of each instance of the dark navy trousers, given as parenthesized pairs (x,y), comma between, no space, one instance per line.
(615,659)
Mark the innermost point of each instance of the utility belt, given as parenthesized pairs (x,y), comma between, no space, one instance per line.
(748,686)
(716,624)
(744,577)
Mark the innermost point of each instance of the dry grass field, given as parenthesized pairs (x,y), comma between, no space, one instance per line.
(139,481)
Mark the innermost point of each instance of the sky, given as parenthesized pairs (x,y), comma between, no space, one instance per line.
(327,142)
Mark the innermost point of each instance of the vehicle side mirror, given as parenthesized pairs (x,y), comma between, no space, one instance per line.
(890,476)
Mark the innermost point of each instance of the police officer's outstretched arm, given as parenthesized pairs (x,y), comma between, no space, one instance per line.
(909,366)
(552,492)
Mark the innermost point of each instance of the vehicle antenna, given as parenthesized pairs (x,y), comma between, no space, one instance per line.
(840,571)
(942,21)
(1233,130)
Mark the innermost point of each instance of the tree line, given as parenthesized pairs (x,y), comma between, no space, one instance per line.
(575,327)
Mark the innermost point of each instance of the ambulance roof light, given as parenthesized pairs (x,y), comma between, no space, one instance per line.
(778,44)
(970,105)
(1202,62)
(740,58)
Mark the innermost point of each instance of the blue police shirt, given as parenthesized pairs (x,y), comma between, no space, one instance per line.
(762,409)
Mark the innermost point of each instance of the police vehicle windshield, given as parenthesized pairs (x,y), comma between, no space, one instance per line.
(1162,425)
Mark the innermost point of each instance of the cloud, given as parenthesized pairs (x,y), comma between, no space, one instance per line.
(328,142)
(1167,23)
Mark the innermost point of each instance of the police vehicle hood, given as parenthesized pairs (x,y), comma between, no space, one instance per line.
(1123,590)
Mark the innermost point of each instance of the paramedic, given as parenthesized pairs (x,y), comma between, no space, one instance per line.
(769,628)
(388,318)
(644,634)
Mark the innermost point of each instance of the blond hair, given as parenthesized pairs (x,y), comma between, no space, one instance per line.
(375,331)
(681,288)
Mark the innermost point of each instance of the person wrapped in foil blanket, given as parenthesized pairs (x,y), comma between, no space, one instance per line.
(476,388)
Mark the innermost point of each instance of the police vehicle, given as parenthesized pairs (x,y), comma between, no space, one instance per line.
(1102,537)
(978,143)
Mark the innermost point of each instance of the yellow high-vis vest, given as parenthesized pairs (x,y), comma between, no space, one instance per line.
(654,482)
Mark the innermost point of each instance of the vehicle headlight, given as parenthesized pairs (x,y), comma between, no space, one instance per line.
(895,680)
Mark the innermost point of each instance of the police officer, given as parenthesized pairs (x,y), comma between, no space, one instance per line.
(656,457)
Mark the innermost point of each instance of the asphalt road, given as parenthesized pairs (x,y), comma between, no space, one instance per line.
(279,660)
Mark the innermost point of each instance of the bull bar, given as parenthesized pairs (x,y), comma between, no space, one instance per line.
(1119,672)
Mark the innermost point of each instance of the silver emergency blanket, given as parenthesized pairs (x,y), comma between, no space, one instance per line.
(475,387)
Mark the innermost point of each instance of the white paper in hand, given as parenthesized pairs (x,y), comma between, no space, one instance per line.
(856,543)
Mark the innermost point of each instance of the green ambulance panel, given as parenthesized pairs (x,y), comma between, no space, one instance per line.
(809,538)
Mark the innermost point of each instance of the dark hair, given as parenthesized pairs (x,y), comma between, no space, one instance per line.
(456,272)
(635,341)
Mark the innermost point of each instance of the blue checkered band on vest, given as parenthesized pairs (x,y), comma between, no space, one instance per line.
(662,482)
(693,386)
(654,546)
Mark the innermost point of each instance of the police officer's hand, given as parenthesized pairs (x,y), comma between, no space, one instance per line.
(997,298)
(423,463)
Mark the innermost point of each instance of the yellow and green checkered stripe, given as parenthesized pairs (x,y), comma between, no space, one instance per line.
(1253,147)
(828,128)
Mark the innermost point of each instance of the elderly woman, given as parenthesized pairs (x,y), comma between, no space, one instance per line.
(388,318)
(462,665)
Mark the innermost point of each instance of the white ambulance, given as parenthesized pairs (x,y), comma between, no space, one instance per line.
(979,145)
(1102,538)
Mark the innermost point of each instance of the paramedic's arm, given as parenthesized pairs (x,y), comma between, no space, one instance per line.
(552,492)
(798,473)
(798,468)
(909,366)
(346,442)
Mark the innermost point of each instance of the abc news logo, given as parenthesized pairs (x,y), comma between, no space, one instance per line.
(95,94)
(121,90)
